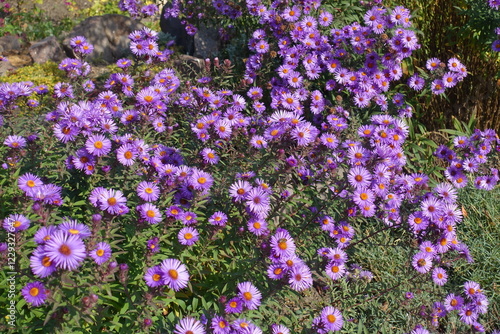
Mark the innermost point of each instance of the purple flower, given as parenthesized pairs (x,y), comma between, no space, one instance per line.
(40,263)
(188,236)
(150,213)
(176,274)
(148,191)
(249,295)
(189,325)
(29,183)
(15,223)
(101,253)
(15,141)
(422,262)
(257,200)
(98,145)
(67,251)
(218,218)
(234,305)
(154,277)
(282,244)
(239,190)
(75,228)
(201,180)
(332,318)
(34,293)
(219,325)
(335,270)
(300,277)
(126,154)
(209,156)
(439,276)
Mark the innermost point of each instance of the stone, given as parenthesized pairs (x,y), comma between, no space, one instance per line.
(9,43)
(45,50)
(175,28)
(189,66)
(107,33)
(5,67)
(206,42)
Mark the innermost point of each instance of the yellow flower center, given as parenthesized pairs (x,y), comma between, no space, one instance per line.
(65,250)
(173,274)
(34,292)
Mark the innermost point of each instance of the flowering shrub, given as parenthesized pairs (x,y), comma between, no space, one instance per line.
(153,202)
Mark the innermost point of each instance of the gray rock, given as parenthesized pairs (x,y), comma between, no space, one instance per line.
(206,42)
(9,43)
(45,50)
(5,67)
(174,27)
(107,33)
(189,66)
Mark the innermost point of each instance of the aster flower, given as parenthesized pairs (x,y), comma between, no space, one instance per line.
(154,277)
(439,276)
(332,318)
(67,251)
(257,226)
(218,218)
(335,270)
(148,191)
(209,156)
(468,313)
(153,245)
(258,201)
(15,223)
(112,201)
(101,253)
(279,329)
(29,182)
(359,177)
(300,277)
(44,234)
(219,325)
(282,243)
(15,141)
(276,271)
(188,218)
(176,274)
(174,212)
(201,180)
(422,262)
(249,295)
(98,145)
(453,302)
(431,208)
(150,213)
(472,288)
(234,305)
(34,293)
(75,228)
(40,263)
(188,236)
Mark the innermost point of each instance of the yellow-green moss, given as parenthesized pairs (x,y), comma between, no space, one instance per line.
(40,74)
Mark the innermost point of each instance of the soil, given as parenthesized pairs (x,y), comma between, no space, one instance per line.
(54,9)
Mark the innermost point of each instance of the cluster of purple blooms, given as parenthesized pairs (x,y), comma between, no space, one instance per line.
(35,189)
(495,4)
(137,9)
(469,155)
(293,115)
(469,305)
(144,45)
